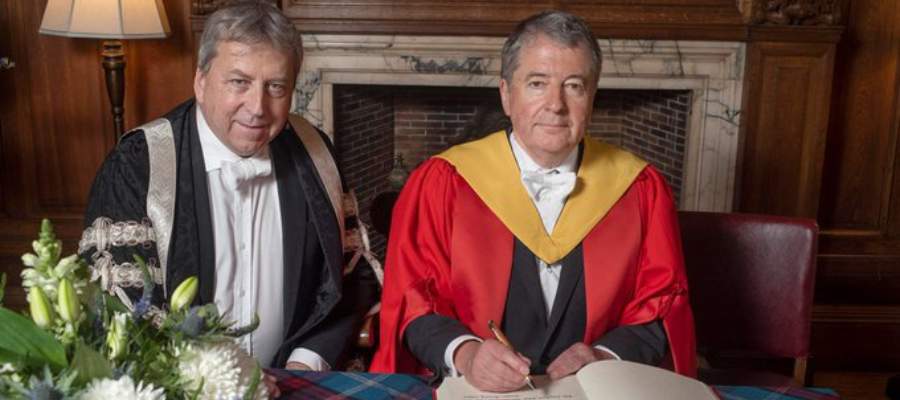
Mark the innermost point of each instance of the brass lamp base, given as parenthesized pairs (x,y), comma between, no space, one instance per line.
(114,66)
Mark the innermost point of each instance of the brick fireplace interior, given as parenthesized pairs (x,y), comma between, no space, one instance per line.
(374,124)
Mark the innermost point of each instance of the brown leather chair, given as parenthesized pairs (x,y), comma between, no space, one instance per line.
(751,289)
(362,351)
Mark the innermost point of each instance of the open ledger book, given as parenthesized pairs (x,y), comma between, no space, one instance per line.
(602,380)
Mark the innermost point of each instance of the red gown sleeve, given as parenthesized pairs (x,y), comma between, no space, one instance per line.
(661,290)
(417,267)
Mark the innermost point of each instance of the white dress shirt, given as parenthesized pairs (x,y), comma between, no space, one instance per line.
(549,205)
(247,237)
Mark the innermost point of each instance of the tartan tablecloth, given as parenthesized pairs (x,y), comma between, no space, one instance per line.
(779,393)
(296,385)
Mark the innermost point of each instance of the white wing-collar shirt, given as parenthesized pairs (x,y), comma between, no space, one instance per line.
(549,203)
(247,237)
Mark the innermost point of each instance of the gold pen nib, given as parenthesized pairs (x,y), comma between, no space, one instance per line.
(530,382)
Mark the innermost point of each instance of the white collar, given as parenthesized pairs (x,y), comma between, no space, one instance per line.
(214,151)
(526,163)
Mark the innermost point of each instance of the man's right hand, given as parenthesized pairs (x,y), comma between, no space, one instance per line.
(490,366)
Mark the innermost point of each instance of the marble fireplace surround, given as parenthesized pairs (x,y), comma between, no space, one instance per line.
(711,70)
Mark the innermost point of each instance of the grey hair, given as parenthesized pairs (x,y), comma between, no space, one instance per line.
(563,28)
(249,22)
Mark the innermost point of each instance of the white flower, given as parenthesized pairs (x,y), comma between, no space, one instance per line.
(117,338)
(48,280)
(121,389)
(8,371)
(6,367)
(30,260)
(67,266)
(223,368)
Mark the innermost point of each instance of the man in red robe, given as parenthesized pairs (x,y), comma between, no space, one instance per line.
(570,244)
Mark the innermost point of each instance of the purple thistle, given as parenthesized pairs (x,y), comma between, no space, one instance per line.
(143,305)
(99,306)
(194,322)
(45,391)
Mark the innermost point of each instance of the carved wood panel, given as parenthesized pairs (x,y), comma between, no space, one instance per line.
(796,12)
(635,19)
(786,109)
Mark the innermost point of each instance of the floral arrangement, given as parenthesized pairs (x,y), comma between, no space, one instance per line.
(79,343)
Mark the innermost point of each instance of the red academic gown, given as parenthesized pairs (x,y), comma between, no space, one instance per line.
(451,247)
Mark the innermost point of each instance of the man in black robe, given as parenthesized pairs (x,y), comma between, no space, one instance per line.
(230,188)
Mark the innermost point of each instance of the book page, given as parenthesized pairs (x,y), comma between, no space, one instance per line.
(624,380)
(563,389)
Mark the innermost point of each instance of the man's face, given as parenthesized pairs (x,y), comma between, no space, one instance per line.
(550,99)
(246,95)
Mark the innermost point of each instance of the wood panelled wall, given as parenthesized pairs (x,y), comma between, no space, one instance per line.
(56,124)
(823,144)
(819,137)
(859,205)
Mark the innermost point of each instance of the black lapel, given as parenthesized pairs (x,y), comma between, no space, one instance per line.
(571,274)
(206,244)
(293,217)
(525,270)
(322,215)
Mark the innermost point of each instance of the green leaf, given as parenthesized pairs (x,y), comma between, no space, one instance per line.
(196,394)
(21,337)
(113,304)
(244,330)
(2,287)
(7,356)
(250,394)
(90,364)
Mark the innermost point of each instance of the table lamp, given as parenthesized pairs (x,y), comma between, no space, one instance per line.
(111,20)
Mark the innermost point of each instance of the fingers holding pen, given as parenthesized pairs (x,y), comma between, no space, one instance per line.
(491,366)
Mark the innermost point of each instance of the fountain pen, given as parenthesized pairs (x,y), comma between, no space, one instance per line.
(503,340)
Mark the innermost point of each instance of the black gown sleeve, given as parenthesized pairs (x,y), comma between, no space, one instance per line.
(645,343)
(116,223)
(428,336)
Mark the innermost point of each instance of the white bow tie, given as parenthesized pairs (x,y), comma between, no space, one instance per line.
(236,173)
(547,186)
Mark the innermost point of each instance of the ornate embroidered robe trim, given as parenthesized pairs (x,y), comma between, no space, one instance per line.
(125,275)
(161,189)
(104,233)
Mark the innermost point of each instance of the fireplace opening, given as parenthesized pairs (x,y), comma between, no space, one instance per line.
(375,124)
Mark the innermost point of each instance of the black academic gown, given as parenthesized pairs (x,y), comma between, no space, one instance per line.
(323,308)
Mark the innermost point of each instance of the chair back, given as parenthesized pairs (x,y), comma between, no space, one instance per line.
(751,282)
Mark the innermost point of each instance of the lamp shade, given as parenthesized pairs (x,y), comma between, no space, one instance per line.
(106,19)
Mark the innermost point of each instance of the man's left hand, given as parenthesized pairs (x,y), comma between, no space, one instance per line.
(575,357)
(297,366)
(272,386)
